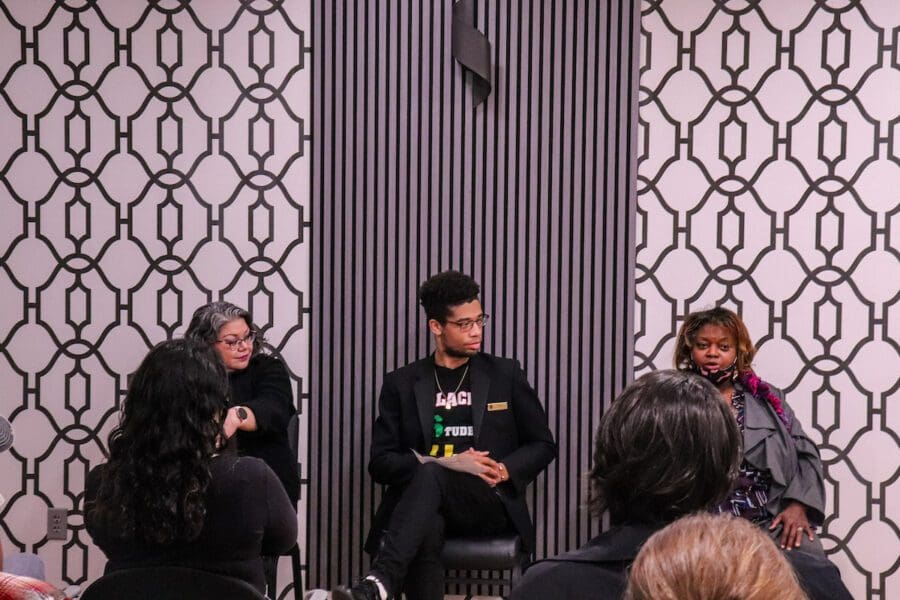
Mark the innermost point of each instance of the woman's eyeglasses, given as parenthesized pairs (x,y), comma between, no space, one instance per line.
(233,342)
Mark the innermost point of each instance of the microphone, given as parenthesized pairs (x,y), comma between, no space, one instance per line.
(6,434)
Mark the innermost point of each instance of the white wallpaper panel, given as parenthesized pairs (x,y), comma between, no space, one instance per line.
(154,157)
(769,181)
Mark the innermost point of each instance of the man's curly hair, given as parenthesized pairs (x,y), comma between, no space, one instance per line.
(441,292)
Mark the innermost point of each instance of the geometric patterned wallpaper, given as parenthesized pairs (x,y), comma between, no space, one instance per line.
(154,157)
(769,180)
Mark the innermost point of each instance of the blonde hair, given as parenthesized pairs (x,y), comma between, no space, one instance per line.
(712,557)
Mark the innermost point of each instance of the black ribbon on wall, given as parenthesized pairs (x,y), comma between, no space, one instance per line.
(471,48)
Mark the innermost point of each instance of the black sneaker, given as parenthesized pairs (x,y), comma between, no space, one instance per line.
(364,590)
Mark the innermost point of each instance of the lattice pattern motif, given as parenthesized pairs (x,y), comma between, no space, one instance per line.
(156,157)
(769,171)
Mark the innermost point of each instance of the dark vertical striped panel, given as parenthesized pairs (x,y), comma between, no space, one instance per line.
(532,194)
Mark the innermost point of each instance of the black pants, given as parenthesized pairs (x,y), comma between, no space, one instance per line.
(436,502)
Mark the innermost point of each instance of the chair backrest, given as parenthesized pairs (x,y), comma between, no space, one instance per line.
(271,571)
(168,583)
(293,433)
(501,552)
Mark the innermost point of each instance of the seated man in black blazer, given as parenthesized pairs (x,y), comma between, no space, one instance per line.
(458,438)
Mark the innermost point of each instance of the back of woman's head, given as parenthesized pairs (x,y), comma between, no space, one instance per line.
(155,481)
(666,447)
(711,557)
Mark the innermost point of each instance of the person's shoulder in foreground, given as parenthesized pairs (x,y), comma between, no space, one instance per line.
(818,576)
(556,578)
(597,570)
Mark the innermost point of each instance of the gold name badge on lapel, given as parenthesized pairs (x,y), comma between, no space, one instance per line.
(492,406)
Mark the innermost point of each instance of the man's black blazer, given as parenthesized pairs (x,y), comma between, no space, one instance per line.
(508,419)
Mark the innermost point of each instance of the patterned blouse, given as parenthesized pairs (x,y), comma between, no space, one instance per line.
(751,490)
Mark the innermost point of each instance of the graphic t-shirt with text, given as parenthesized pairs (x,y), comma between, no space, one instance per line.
(452,430)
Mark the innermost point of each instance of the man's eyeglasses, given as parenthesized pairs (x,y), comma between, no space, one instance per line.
(467,324)
(234,342)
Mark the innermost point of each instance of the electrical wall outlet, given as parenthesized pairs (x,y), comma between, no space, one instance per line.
(57,523)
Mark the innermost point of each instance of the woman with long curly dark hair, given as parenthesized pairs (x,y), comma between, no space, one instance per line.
(780,486)
(165,496)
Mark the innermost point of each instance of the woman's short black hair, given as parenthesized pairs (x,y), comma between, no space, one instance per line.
(666,447)
(445,290)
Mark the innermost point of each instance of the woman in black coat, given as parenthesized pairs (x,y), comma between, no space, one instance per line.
(261,403)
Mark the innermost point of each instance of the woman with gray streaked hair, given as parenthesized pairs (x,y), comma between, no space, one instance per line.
(261,402)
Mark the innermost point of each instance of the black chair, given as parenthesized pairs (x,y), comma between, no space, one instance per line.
(168,583)
(293,432)
(463,555)
(499,553)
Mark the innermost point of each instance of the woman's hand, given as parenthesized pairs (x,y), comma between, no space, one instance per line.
(238,417)
(794,524)
(232,422)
